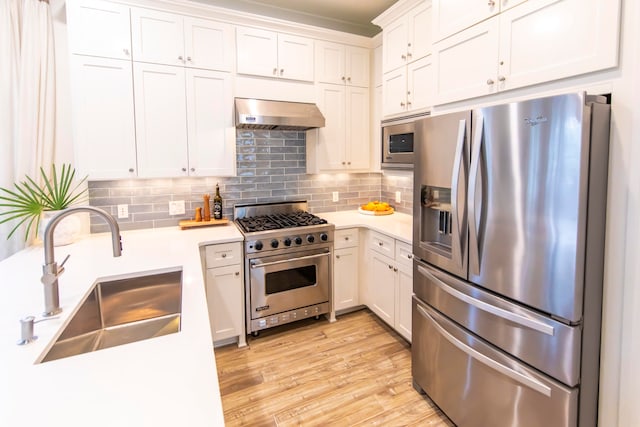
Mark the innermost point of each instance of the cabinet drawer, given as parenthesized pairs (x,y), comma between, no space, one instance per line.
(347,238)
(382,244)
(223,254)
(404,254)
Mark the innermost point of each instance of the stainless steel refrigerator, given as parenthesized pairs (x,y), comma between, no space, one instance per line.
(508,242)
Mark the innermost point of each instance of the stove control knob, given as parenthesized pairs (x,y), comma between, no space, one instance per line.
(310,238)
(298,240)
(287,241)
(324,237)
(274,243)
(258,245)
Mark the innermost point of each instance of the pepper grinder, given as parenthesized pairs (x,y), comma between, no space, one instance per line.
(207,209)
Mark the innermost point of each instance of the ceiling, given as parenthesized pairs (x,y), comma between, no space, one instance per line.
(351,16)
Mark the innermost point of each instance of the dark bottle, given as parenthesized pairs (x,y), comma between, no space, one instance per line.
(217,204)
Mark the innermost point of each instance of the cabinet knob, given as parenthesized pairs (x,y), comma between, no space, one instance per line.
(337,256)
(192,169)
(501,78)
(391,267)
(409,44)
(189,58)
(180,58)
(281,71)
(490,82)
(410,256)
(132,170)
(125,51)
(404,57)
(348,163)
(402,104)
(395,269)
(346,238)
(343,78)
(491,3)
(409,55)
(237,273)
(275,71)
(343,163)
(348,79)
(184,169)
(224,255)
(379,243)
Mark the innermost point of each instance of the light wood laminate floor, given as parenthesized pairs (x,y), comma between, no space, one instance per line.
(354,372)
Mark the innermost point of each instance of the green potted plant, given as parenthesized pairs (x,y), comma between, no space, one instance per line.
(29,201)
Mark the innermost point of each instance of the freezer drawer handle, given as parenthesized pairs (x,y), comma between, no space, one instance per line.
(497,311)
(487,361)
(266,264)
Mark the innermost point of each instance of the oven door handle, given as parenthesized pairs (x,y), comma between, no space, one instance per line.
(266,264)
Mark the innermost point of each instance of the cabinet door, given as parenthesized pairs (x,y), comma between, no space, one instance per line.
(452,16)
(394,95)
(419,24)
(210,123)
(357,66)
(420,84)
(257,52)
(295,57)
(345,278)
(404,276)
(331,138)
(382,287)
(161,120)
(157,37)
(357,144)
(394,45)
(466,65)
(548,40)
(330,63)
(208,44)
(225,302)
(103,124)
(99,28)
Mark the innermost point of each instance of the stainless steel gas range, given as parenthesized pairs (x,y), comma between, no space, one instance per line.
(288,263)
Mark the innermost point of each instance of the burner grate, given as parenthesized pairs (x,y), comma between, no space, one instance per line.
(279,221)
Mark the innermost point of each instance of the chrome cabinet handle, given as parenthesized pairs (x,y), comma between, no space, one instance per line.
(532,383)
(490,82)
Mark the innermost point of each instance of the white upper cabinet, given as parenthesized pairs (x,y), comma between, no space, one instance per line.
(171,39)
(184,121)
(103,119)
(408,88)
(408,38)
(99,28)
(343,143)
(535,42)
(342,64)
(452,16)
(161,120)
(270,54)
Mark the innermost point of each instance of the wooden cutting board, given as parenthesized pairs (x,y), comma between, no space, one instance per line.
(191,223)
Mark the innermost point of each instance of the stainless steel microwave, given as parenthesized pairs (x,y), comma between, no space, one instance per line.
(398,140)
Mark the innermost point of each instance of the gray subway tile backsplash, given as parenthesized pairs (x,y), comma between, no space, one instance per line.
(271,166)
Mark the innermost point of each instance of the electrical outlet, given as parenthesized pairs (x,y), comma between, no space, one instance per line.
(123,211)
(176,207)
(398,196)
(335,196)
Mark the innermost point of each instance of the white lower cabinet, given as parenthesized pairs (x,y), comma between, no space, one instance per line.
(225,292)
(345,269)
(390,281)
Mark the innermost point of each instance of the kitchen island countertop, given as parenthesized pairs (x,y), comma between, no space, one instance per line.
(164,381)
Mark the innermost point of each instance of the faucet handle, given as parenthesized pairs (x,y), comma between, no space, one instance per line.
(61,266)
(26,329)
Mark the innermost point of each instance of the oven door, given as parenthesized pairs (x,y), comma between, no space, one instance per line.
(288,281)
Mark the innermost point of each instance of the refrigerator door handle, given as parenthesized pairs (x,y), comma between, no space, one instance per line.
(474,250)
(532,383)
(455,182)
(481,305)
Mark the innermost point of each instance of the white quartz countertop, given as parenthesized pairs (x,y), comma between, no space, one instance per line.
(164,381)
(397,225)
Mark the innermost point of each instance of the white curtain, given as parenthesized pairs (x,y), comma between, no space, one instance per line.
(27,98)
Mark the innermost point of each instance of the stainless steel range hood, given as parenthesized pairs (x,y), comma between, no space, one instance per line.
(277,115)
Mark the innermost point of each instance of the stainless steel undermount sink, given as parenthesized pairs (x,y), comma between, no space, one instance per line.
(122,311)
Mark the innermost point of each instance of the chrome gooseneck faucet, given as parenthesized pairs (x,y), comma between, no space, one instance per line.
(50,269)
